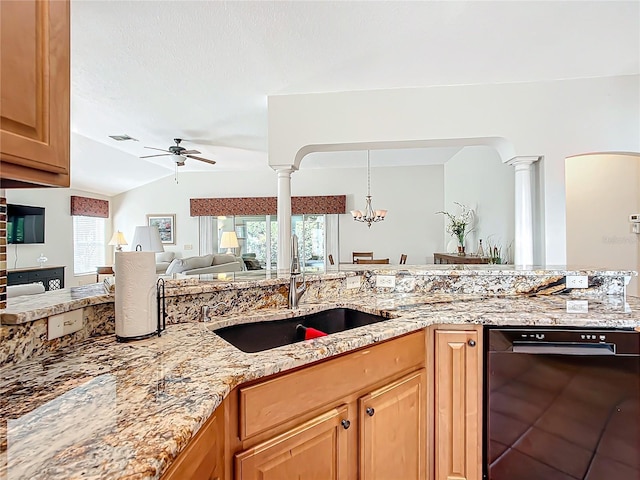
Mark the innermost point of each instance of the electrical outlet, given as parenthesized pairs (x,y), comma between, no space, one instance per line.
(386,281)
(353,282)
(577,281)
(64,324)
(577,306)
(188,246)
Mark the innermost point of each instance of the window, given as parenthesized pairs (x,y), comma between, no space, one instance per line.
(88,244)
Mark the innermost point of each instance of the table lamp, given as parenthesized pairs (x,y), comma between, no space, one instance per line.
(118,240)
(229,241)
(148,239)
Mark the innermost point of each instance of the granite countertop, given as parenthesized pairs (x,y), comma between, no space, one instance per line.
(110,410)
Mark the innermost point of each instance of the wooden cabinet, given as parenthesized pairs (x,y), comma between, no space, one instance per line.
(316,449)
(34,90)
(373,425)
(407,408)
(457,403)
(393,430)
(202,458)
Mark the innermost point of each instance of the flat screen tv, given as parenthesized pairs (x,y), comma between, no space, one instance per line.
(25,224)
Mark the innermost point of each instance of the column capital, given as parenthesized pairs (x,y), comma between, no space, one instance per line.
(284,171)
(522,161)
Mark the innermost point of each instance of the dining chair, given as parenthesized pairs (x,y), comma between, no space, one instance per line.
(371,261)
(363,255)
(331,260)
(403,259)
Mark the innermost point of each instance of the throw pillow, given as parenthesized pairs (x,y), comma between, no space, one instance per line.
(176,266)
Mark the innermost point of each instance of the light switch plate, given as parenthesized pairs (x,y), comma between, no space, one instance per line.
(386,281)
(353,282)
(64,324)
(577,281)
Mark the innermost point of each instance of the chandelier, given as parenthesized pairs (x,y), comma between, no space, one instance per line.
(369,215)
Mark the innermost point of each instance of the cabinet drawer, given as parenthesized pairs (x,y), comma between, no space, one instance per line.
(286,397)
(17,278)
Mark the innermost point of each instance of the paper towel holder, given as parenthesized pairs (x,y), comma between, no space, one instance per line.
(162,306)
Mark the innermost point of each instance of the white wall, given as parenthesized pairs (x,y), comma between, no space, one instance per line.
(58,234)
(602,191)
(477,178)
(411,195)
(553,119)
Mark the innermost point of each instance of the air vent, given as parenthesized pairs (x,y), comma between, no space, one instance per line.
(122,138)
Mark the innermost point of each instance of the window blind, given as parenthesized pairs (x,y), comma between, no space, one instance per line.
(88,244)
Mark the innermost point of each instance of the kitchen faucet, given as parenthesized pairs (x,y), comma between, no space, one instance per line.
(295,292)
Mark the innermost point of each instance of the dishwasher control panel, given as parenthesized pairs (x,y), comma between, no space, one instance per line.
(626,342)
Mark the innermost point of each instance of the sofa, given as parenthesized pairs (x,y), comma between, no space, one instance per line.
(163,260)
(206,264)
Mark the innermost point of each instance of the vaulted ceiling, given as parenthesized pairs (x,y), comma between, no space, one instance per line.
(202,70)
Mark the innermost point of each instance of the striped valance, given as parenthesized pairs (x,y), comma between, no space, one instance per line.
(89,207)
(267,205)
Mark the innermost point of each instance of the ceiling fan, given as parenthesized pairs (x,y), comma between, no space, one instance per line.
(179,154)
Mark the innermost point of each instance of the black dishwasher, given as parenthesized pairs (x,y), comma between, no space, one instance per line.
(561,404)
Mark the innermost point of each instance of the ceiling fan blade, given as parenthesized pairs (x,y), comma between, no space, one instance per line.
(190,152)
(212,162)
(161,149)
(158,155)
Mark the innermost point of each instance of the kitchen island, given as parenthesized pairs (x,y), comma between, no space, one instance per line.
(102,409)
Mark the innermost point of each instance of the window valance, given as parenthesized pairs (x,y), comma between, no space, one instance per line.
(89,207)
(318,205)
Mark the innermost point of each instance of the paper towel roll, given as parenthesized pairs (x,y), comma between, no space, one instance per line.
(136,305)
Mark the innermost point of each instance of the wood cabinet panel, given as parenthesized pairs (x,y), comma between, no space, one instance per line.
(34,105)
(202,458)
(392,423)
(264,406)
(458,390)
(317,449)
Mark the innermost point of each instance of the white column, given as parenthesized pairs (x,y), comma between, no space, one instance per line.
(523,254)
(284,217)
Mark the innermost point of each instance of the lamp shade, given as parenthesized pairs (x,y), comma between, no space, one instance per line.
(229,241)
(148,238)
(118,239)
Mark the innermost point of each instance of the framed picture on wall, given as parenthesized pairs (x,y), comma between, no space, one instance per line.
(166,224)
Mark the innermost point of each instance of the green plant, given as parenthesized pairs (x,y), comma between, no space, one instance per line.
(459,225)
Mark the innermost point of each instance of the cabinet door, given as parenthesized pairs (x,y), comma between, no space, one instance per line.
(457,405)
(317,449)
(34,79)
(392,423)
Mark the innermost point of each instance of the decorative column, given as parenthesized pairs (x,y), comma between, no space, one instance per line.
(284,217)
(523,210)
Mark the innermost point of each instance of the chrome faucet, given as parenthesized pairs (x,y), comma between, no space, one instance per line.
(295,292)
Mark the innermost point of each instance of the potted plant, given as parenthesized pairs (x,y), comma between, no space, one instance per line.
(460,225)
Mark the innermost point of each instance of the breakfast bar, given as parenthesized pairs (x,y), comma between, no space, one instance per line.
(135,410)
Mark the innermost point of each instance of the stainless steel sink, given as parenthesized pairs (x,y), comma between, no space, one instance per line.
(256,337)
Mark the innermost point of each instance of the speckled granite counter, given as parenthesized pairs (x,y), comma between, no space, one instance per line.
(109,410)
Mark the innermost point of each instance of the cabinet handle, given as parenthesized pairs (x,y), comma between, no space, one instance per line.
(370,411)
(472,343)
(346,424)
